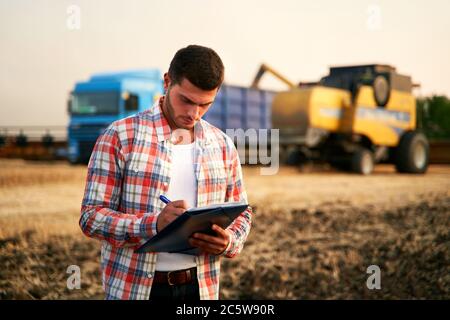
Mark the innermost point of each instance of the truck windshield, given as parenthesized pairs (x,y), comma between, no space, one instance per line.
(95,103)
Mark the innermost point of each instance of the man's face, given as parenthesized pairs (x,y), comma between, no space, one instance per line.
(185,103)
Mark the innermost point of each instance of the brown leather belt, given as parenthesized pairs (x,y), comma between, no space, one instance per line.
(175,277)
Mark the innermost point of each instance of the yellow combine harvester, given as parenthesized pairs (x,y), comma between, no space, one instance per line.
(352,118)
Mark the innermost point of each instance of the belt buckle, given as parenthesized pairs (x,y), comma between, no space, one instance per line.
(168,278)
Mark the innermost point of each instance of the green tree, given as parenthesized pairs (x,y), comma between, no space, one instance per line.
(433,116)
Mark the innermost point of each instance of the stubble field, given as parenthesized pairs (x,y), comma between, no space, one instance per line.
(315,232)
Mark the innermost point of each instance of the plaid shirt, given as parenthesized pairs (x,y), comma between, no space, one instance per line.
(129,168)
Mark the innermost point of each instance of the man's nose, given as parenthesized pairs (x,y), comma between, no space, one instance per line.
(193,112)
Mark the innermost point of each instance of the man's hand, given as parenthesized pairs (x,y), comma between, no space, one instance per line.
(170,212)
(211,244)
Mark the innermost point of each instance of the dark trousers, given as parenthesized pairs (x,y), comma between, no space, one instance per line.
(182,292)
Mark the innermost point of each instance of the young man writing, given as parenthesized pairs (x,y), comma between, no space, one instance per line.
(166,150)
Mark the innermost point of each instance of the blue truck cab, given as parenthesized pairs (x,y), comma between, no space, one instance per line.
(104,98)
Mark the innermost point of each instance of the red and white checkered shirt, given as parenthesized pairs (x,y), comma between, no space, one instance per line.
(129,168)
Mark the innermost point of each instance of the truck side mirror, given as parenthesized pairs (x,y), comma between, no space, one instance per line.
(69,105)
(132,102)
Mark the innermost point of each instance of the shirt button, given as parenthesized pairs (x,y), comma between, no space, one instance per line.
(149,275)
(136,170)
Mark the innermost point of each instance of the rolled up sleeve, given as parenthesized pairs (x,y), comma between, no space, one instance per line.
(100,218)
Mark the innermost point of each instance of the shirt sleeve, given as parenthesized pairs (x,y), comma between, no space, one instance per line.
(240,228)
(100,218)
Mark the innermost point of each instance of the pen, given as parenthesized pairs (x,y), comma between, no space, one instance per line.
(164,199)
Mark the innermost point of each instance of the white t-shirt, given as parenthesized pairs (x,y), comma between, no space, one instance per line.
(183,186)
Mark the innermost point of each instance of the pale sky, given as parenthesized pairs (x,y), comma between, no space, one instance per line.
(41,58)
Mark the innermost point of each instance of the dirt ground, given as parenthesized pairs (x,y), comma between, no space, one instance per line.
(315,232)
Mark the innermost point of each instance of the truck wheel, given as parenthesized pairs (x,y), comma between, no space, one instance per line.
(362,161)
(412,153)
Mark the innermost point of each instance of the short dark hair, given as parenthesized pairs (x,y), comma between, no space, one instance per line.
(202,66)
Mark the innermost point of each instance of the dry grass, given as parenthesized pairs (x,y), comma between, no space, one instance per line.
(314,234)
(43,197)
(324,253)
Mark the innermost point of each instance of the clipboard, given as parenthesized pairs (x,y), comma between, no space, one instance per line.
(174,237)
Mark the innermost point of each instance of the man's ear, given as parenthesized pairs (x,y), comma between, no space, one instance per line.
(166,81)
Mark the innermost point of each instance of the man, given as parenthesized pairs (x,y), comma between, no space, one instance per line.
(166,150)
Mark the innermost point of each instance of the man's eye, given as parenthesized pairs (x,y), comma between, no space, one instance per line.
(187,101)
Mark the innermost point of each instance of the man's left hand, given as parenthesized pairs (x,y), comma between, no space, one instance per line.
(211,244)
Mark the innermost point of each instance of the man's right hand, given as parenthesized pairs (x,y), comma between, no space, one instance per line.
(172,210)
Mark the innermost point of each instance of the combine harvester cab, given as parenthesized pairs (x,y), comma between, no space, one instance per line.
(352,118)
(104,98)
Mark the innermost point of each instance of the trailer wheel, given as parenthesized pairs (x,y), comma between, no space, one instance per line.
(293,157)
(2,140)
(412,153)
(362,161)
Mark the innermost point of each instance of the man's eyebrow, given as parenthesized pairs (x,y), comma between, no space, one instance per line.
(192,102)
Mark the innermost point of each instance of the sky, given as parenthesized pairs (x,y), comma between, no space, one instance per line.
(44,50)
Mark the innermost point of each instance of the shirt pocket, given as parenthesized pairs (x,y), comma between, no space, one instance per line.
(215,178)
(145,176)
(135,167)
